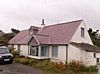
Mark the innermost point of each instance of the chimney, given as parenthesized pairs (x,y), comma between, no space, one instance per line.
(42,25)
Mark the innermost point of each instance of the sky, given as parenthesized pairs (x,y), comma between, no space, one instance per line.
(21,14)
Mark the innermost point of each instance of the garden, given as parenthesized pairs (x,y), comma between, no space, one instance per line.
(74,67)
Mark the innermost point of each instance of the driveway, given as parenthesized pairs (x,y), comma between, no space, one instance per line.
(18,69)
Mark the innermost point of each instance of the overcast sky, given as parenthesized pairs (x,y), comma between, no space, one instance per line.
(21,14)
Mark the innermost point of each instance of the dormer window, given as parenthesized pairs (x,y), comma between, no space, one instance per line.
(33,30)
(82,32)
(31,33)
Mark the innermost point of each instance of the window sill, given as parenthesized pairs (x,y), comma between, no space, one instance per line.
(54,58)
(82,36)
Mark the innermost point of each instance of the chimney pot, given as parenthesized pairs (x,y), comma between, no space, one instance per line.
(43,24)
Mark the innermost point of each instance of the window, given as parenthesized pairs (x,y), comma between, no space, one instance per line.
(19,47)
(44,51)
(82,32)
(94,55)
(34,51)
(12,46)
(54,51)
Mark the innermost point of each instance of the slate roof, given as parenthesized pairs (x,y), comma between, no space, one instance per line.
(21,38)
(61,33)
(86,47)
(54,34)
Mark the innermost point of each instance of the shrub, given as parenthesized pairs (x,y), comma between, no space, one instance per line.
(72,67)
(51,66)
(90,69)
(76,66)
(25,60)
(15,53)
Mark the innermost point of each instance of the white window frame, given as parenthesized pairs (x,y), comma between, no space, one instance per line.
(18,47)
(55,51)
(82,32)
(45,51)
(35,49)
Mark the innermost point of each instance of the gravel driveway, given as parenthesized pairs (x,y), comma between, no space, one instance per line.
(18,69)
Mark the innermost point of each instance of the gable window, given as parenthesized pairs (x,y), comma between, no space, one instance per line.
(82,32)
(44,51)
(55,51)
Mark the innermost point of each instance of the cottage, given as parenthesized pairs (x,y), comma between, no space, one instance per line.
(61,42)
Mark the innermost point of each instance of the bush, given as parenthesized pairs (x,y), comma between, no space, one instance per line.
(51,66)
(26,61)
(76,66)
(72,67)
(15,53)
(90,69)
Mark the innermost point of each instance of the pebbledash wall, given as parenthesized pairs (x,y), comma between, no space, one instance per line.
(75,53)
(78,54)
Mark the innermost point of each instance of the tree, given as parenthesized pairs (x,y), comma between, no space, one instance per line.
(93,35)
(15,31)
(4,39)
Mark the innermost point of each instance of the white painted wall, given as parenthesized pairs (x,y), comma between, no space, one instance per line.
(24,50)
(61,54)
(75,53)
(77,36)
(89,58)
(78,54)
(16,47)
(97,55)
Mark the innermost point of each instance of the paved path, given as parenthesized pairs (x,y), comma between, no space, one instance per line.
(18,69)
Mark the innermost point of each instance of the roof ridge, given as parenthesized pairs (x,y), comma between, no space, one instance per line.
(24,30)
(42,35)
(34,26)
(64,23)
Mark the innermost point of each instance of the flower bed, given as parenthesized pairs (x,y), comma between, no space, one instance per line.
(74,66)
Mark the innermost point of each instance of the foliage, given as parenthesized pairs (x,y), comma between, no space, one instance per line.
(5,38)
(15,53)
(71,68)
(52,67)
(94,36)
(90,69)
(15,31)
(26,61)
(76,66)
